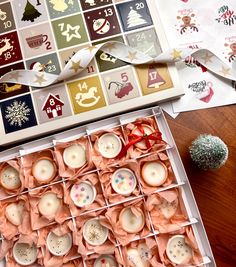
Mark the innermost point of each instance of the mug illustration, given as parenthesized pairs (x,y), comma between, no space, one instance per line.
(37,41)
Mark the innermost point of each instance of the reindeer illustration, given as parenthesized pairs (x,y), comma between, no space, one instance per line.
(6,47)
(187,20)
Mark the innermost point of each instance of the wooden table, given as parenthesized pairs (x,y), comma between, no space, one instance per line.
(215,191)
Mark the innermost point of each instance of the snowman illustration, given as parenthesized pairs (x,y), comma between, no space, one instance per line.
(101,26)
(61,5)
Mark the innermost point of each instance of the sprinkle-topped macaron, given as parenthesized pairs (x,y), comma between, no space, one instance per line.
(123,181)
(74,156)
(10,178)
(59,245)
(154,173)
(44,170)
(49,204)
(24,254)
(94,232)
(83,194)
(109,145)
(178,251)
(105,261)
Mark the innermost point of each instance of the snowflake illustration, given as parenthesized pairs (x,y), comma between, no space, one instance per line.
(17,113)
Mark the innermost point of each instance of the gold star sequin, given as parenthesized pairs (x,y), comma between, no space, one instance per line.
(39,79)
(176,54)
(207,58)
(225,71)
(76,66)
(132,56)
(15,75)
(91,48)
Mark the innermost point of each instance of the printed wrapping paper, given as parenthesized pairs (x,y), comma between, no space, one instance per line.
(215,25)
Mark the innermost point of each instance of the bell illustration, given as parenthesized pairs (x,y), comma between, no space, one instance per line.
(154,78)
(107,57)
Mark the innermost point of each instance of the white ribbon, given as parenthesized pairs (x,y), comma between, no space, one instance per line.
(125,53)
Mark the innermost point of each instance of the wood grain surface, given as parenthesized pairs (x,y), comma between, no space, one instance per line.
(215,191)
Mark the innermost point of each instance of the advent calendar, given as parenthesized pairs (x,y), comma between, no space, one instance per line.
(43,36)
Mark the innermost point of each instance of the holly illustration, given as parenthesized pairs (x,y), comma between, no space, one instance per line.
(30,13)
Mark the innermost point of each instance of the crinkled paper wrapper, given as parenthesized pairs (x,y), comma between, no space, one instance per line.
(105,178)
(98,202)
(99,161)
(113,216)
(160,222)
(159,156)
(39,221)
(66,171)
(133,151)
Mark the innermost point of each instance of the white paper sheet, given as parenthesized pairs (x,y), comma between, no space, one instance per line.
(213,26)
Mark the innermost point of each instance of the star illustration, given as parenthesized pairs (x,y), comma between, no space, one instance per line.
(76,65)
(225,71)
(15,75)
(207,58)
(176,54)
(91,48)
(40,79)
(132,56)
(71,32)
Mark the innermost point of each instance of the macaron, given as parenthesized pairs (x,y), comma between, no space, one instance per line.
(178,251)
(24,254)
(44,170)
(49,204)
(132,222)
(14,213)
(10,178)
(59,245)
(154,173)
(74,156)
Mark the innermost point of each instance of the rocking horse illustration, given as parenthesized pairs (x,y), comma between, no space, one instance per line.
(88,99)
(121,89)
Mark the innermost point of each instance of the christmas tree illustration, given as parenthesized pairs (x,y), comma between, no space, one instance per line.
(30,13)
(135,19)
(154,78)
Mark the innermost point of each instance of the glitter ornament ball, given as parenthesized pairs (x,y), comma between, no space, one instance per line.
(208,152)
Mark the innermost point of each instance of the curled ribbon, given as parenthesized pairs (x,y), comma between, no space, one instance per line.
(125,53)
(134,139)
